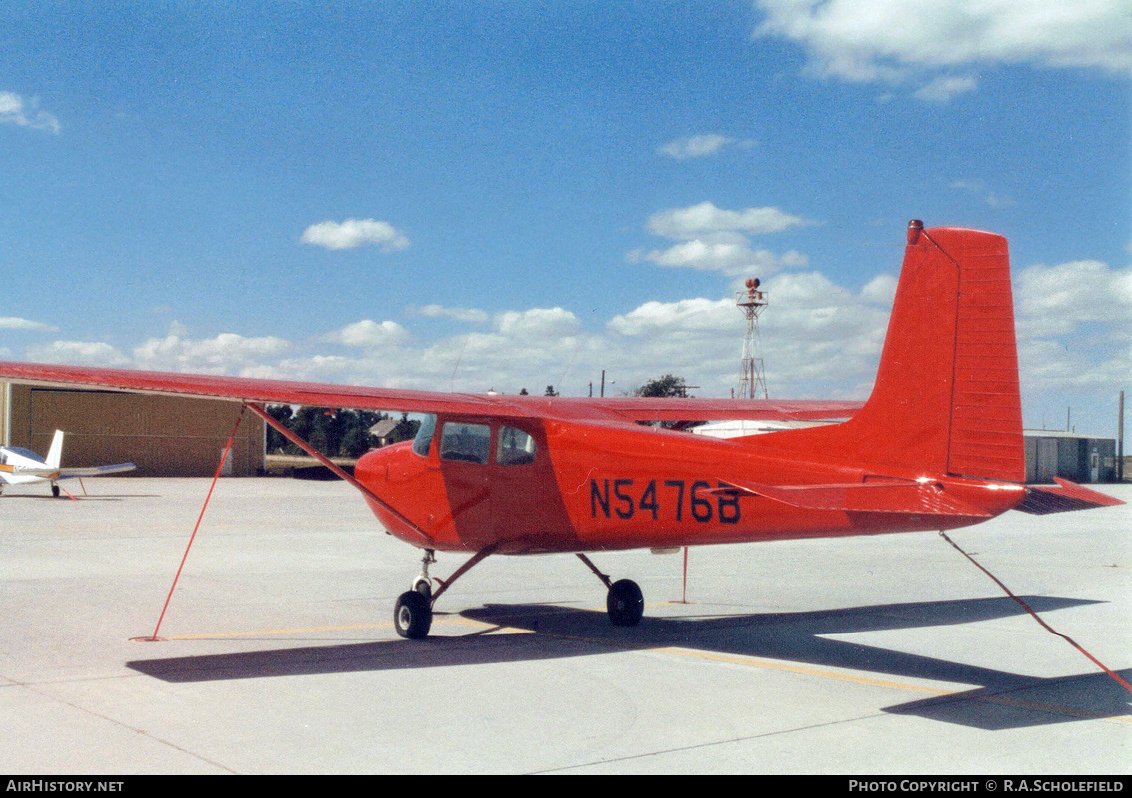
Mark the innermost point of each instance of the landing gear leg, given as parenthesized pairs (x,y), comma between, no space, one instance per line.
(412,617)
(625,603)
(423,584)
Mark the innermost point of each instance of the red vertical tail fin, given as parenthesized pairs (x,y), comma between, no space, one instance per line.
(986,403)
(946,398)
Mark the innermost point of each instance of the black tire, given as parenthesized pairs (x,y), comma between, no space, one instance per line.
(55,491)
(625,602)
(412,617)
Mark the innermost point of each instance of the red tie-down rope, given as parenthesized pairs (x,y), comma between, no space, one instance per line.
(1044,625)
(219,469)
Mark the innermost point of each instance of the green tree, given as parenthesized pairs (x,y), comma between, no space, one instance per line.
(333,432)
(275,439)
(406,429)
(668,385)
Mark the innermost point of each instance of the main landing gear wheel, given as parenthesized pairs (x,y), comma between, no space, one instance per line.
(625,602)
(55,491)
(412,617)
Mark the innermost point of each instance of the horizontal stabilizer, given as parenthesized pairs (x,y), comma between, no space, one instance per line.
(95,471)
(880,496)
(1066,497)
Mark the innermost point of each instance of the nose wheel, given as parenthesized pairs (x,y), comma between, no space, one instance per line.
(412,617)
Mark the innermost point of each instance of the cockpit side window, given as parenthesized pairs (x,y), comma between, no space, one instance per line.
(470,443)
(515,447)
(422,443)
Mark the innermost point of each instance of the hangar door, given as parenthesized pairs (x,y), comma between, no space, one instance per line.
(164,436)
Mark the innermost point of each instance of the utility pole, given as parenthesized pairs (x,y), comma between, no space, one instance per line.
(1120,440)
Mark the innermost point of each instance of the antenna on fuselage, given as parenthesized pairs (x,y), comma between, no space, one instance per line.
(452,380)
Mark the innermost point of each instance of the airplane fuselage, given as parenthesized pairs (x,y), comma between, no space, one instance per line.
(589,487)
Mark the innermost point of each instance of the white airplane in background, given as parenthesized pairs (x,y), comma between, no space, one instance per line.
(20,466)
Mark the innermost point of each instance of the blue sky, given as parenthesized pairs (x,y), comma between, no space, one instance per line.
(507,195)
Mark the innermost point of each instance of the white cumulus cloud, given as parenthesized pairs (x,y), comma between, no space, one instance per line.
(716,239)
(537,323)
(354,233)
(1057,300)
(700,145)
(14,323)
(223,354)
(720,254)
(83,353)
(369,334)
(697,220)
(459,314)
(15,110)
(910,41)
(943,88)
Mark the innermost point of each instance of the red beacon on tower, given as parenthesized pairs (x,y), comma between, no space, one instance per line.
(752,385)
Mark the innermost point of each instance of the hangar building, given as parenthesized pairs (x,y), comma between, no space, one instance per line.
(165,436)
(1078,458)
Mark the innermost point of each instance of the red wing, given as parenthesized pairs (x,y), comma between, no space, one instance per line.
(680,409)
(625,409)
(255,390)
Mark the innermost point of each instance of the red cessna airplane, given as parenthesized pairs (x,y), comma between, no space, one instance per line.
(938,445)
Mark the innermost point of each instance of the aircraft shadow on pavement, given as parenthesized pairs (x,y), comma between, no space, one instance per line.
(999,700)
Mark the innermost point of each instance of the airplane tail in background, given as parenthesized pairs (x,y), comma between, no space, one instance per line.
(946,398)
(55,453)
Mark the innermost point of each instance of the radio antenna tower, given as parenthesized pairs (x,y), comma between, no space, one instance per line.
(752,385)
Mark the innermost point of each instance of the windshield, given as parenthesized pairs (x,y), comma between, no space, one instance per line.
(423,439)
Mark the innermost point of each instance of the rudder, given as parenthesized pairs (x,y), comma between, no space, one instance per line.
(986,408)
(946,398)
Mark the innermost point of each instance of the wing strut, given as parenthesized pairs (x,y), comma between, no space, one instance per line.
(341,474)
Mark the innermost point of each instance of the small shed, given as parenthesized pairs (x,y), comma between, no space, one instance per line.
(382,430)
(1080,458)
